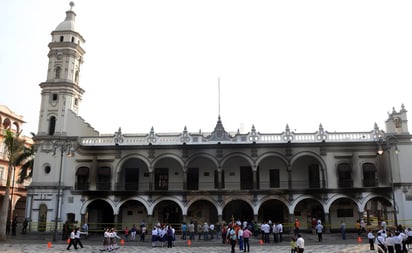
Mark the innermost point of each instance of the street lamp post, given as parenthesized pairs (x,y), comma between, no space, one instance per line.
(389,142)
(63,146)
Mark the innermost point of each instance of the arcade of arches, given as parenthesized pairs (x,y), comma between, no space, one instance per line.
(100,213)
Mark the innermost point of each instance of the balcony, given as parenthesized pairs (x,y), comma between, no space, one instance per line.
(345,183)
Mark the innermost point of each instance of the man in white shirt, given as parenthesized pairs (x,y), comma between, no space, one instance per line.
(279,226)
(300,244)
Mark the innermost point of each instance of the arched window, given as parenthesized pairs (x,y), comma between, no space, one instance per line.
(6,123)
(58,72)
(52,125)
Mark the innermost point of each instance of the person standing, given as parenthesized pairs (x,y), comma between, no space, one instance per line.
(205,232)
(319,230)
(300,244)
(371,238)
(380,241)
(126,233)
(343,230)
(246,235)
(232,238)
(14,226)
(133,232)
(184,231)
(191,231)
(275,232)
(390,245)
(85,228)
(169,238)
(143,231)
(72,240)
(212,231)
(240,238)
(293,245)
(297,226)
(25,224)
(280,231)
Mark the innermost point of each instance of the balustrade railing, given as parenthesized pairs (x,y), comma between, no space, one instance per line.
(203,138)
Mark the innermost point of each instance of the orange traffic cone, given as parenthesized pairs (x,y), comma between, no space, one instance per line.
(68,241)
(189,242)
(359,239)
(122,242)
(49,245)
(261,242)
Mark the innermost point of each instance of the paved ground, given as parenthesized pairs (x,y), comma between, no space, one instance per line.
(41,243)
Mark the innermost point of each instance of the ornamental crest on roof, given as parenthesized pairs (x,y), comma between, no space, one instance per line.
(219,134)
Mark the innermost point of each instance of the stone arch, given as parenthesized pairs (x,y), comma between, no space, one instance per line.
(205,155)
(343,209)
(130,173)
(272,171)
(274,209)
(131,211)
(312,177)
(272,154)
(307,207)
(203,210)
(169,155)
(338,196)
(99,213)
(167,210)
(237,154)
(238,208)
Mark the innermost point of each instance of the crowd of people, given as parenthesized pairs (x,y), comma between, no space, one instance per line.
(391,240)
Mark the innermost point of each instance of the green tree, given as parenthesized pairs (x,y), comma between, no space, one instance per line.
(14,146)
(26,160)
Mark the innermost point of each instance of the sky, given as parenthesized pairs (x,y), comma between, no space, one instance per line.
(156,63)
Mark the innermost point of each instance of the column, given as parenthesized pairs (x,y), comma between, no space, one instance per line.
(327,224)
(151,180)
(254,171)
(185,178)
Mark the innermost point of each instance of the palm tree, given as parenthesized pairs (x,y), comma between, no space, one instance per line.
(14,147)
(26,160)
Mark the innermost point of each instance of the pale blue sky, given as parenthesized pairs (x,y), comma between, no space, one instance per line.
(344,64)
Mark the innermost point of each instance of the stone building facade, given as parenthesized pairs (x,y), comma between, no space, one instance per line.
(123,179)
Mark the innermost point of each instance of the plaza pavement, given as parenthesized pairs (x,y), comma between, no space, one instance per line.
(332,243)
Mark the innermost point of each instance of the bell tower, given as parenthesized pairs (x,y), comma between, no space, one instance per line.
(61,93)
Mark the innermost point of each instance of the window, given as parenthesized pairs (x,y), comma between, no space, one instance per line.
(246,178)
(192,179)
(314,177)
(369,175)
(344,212)
(72,39)
(54,97)
(61,38)
(274,181)
(58,72)
(76,77)
(217,179)
(103,178)
(162,179)
(47,169)
(345,175)
(52,125)
(82,178)
(132,179)
(2,180)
